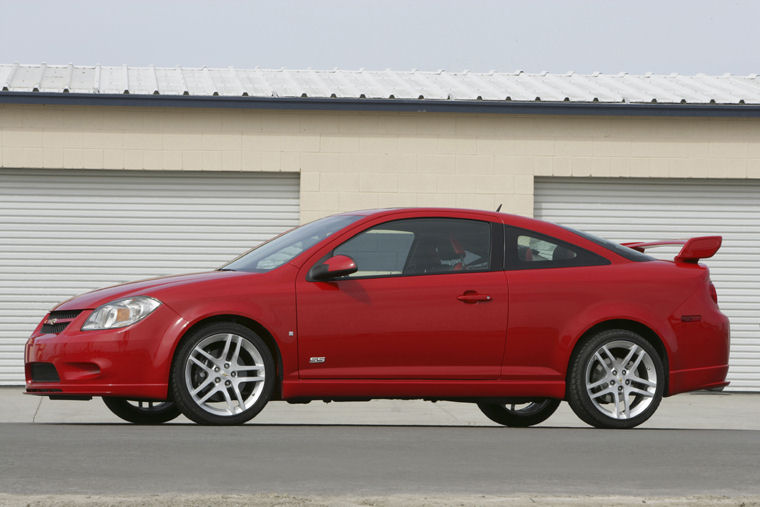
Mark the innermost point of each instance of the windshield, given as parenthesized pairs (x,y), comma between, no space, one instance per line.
(285,247)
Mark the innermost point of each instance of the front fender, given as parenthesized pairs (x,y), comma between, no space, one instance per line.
(267,300)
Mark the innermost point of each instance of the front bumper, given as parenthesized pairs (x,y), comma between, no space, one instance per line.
(129,362)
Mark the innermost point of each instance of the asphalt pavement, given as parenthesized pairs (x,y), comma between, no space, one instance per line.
(697,446)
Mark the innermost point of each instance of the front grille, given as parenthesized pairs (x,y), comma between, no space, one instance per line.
(43,372)
(57,321)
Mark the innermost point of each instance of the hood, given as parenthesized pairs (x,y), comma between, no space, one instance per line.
(92,300)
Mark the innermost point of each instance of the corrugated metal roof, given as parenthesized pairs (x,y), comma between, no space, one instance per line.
(357,84)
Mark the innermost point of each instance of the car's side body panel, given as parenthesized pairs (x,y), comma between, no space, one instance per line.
(405,337)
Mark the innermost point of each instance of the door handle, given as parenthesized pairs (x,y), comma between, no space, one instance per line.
(472,297)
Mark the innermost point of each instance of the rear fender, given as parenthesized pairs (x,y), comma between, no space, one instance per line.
(610,311)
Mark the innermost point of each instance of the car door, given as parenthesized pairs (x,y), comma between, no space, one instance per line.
(428,301)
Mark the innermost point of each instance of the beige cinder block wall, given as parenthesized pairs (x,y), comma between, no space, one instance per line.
(355,160)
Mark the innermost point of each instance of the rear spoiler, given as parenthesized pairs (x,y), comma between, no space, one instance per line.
(693,249)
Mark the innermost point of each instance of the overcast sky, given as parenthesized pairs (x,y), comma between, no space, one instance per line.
(636,36)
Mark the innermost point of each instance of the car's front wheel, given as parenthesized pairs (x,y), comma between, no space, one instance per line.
(142,412)
(520,415)
(223,373)
(616,380)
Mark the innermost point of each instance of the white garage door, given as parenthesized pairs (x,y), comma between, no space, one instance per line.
(67,232)
(648,209)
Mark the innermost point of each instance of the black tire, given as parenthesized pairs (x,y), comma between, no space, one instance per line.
(142,412)
(520,415)
(210,386)
(630,377)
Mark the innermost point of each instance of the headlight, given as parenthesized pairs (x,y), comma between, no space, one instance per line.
(120,313)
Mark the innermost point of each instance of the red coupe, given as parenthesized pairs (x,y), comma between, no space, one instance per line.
(507,312)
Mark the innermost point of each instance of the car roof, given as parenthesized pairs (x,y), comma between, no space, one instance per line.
(515,220)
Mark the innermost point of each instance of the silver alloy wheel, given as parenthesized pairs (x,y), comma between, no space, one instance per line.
(224,374)
(149,405)
(527,408)
(621,379)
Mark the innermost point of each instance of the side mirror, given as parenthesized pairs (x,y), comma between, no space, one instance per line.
(334,267)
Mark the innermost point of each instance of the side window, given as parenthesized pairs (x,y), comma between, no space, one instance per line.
(531,250)
(420,246)
(378,251)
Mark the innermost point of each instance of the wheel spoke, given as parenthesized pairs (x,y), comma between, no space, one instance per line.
(226,350)
(635,390)
(249,368)
(602,362)
(639,358)
(230,406)
(639,380)
(609,354)
(627,406)
(201,364)
(241,380)
(236,354)
(201,386)
(631,352)
(598,383)
(601,393)
(207,395)
(205,354)
(238,395)
(617,404)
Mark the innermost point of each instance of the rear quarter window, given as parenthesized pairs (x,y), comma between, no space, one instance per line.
(526,249)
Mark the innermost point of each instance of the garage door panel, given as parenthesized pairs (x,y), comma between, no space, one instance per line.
(632,209)
(68,232)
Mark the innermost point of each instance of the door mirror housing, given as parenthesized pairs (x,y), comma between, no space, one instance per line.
(334,267)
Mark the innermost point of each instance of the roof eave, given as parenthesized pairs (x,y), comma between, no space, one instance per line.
(389,105)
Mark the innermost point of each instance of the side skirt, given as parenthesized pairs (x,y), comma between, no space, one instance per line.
(412,389)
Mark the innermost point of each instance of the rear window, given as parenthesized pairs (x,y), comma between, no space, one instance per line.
(623,251)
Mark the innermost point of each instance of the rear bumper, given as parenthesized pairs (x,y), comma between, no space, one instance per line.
(130,362)
(700,352)
(710,377)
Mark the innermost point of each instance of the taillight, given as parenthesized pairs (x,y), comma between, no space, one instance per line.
(713,293)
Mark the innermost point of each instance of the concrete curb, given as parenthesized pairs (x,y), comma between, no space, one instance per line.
(282,500)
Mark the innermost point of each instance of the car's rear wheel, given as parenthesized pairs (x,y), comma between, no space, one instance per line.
(616,380)
(520,415)
(223,373)
(142,412)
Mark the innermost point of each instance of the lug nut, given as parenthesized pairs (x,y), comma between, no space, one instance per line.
(614,372)
(227,383)
(627,382)
(233,374)
(620,388)
(226,365)
(625,372)
(612,382)
(217,380)
(216,368)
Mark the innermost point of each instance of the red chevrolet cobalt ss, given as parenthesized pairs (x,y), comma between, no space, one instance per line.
(512,314)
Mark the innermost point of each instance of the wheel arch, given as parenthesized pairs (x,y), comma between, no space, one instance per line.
(249,323)
(629,325)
